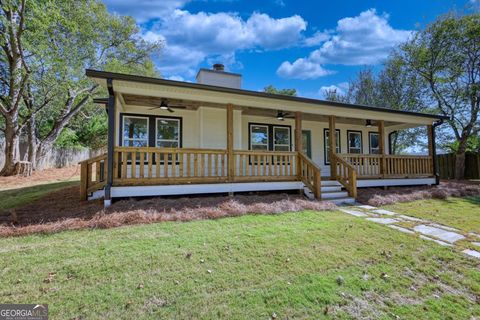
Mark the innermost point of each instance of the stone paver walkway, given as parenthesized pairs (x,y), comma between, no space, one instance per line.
(427,230)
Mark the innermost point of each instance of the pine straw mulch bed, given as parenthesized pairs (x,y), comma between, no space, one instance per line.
(61,210)
(381,197)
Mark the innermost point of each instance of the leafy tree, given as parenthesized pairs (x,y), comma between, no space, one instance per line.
(273,90)
(363,89)
(392,88)
(48,45)
(335,96)
(446,56)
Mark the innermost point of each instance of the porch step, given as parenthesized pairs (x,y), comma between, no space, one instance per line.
(330,183)
(334,195)
(330,189)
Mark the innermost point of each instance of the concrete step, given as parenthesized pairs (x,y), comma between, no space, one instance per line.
(334,195)
(330,183)
(308,193)
(340,201)
(331,189)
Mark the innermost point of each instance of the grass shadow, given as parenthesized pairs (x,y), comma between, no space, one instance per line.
(13,198)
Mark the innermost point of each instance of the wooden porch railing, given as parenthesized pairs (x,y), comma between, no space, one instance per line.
(162,166)
(366,165)
(93,174)
(408,166)
(310,174)
(345,173)
(147,165)
(395,166)
(264,165)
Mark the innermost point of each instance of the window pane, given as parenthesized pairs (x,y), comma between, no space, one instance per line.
(259,147)
(282,135)
(135,128)
(135,143)
(259,135)
(167,144)
(354,142)
(167,129)
(373,141)
(282,148)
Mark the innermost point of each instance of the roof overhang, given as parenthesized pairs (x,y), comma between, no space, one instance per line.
(154,87)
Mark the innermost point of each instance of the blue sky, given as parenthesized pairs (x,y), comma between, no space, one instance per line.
(306,45)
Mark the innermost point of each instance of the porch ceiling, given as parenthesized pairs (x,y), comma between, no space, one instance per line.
(152,102)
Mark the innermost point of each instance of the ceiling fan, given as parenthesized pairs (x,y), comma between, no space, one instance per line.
(164,105)
(282,115)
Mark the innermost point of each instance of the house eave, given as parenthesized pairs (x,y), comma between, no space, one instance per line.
(103,75)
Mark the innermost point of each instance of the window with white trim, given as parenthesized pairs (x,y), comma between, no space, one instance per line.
(373,138)
(259,137)
(354,141)
(281,138)
(167,133)
(135,131)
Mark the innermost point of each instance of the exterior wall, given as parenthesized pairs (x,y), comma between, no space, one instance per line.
(206,128)
(212,124)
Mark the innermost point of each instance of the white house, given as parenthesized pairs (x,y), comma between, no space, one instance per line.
(214,137)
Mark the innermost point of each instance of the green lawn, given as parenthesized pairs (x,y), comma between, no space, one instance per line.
(13,198)
(461,213)
(285,264)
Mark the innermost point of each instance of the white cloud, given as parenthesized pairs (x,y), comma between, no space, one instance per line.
(192,38)
(302,69)
(317,38)
(176,78)
(340,88)
(144,10)
(362,40)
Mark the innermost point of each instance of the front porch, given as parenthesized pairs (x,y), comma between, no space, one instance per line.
(174,171)
(168,137)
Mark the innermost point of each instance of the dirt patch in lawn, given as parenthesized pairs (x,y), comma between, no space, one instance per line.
(41,177)
(381,197)
(61,210)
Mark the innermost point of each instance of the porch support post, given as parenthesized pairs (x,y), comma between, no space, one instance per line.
(332,141)
(298,140)
(432,151)
(381,146)
(230,157)
(110,142)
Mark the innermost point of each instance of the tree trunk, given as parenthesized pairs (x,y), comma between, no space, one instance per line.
(460,158)
(11,142)
(32,142)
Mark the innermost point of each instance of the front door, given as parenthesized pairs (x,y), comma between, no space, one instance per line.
(307,143)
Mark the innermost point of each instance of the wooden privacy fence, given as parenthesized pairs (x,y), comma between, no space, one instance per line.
(446,165)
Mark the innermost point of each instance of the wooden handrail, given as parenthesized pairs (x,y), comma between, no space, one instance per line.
(345,173)
(310,174)
(90,182)
(383,166)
